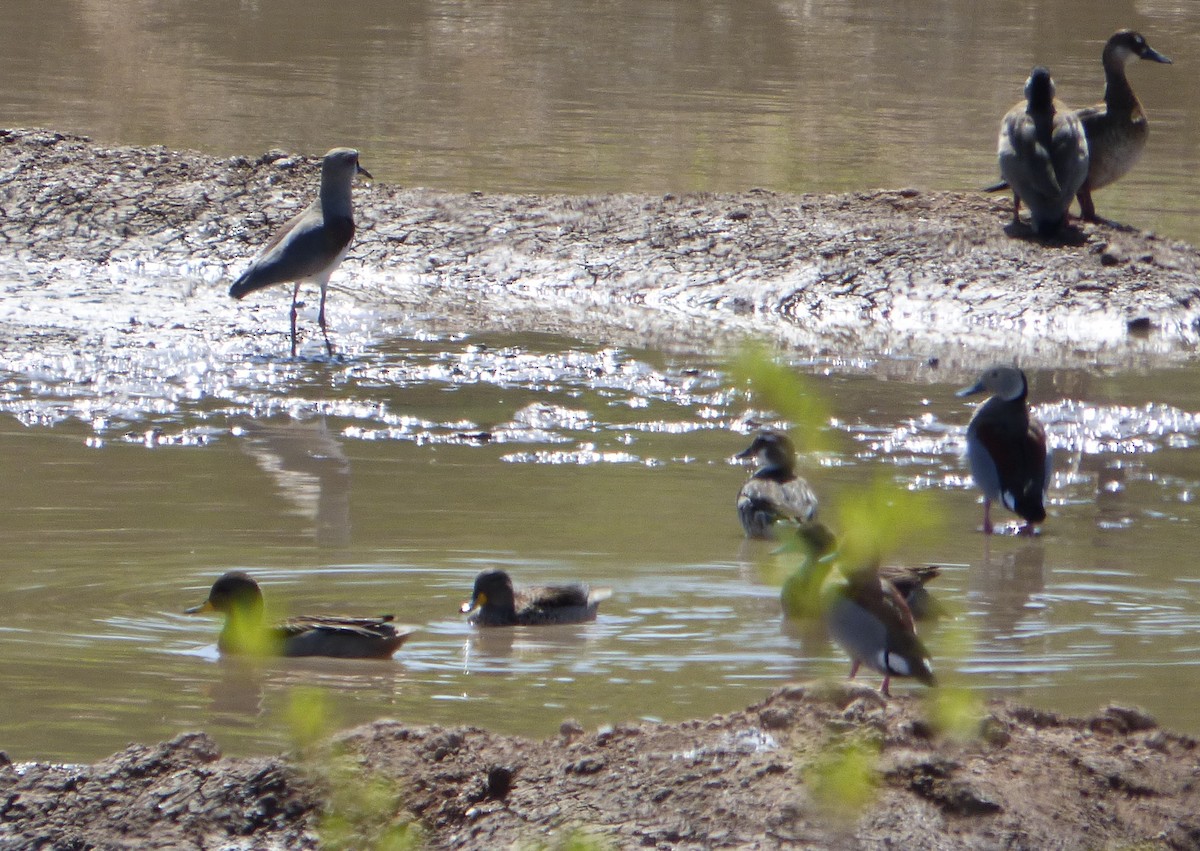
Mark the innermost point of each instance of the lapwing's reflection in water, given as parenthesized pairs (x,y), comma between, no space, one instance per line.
(310,469)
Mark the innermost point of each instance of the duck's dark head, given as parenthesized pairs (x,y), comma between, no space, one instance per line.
(233,593)
(1007,382)
(1126,45)
(1039,89)
(771,449)
(492,587)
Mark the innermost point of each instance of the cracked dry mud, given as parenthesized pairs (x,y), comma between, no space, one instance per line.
(151,235)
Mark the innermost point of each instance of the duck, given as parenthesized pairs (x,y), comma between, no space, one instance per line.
(868,618)
(910,580)
(1117,128)
(494,602)
(774,493)
(1006,448)
(1043,155)
(236,595)
(800,596)
(311,245)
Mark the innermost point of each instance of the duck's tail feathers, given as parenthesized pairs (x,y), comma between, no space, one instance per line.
(997,187)
(598,595)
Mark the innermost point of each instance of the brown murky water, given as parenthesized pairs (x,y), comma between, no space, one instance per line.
(365,485)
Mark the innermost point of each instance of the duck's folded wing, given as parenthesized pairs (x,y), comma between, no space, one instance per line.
(556,596)
(793,499)
(376,627)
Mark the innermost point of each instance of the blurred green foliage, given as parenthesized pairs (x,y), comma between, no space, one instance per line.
(843,778)
(362,810)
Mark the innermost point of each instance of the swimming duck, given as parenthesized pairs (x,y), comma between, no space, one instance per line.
(869,619)
(494,602)
(1116,129)
(238,597)
(1006,448)
(1043,155)
(774,493)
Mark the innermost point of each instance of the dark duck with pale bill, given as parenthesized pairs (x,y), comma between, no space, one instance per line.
(1006,448)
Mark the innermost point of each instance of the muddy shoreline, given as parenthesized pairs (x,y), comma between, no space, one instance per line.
(152,236)
(749,779)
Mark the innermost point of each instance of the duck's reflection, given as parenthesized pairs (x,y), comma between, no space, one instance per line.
(1113,510)
(1005,582)
(238,695)
(310,470)
(489,645)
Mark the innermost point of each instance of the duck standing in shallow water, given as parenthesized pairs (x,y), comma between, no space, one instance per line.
(1116,129)
(774,493)
(238,597)
(494,602)
(1043,155)
(1006,448)
(867,616)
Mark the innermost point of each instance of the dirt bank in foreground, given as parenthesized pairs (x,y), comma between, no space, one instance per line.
(1031,780)
(154,236)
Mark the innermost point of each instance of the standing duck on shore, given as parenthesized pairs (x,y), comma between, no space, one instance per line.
(869,619)
(1043,155)
(1006,448)
(774,493)
(1116,129)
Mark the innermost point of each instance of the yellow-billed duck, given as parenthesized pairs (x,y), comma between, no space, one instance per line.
(774,493)
(494,602)
(1116,129)
(1006,448)
(1043,155)
(237,596)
